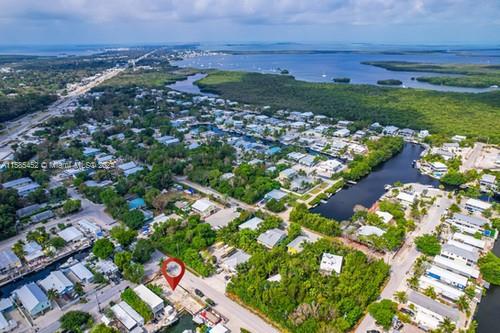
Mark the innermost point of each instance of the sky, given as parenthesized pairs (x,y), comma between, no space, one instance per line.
(59,22)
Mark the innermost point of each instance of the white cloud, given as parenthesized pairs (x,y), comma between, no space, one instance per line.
(359,12)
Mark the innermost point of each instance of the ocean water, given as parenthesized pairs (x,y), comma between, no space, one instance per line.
(341,62)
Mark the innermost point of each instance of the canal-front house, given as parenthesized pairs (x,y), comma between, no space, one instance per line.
(430,313)
(8,261)
(468,224)
(58,282)
(154,302)
(32,299)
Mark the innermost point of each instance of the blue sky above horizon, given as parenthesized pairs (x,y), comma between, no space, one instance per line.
(316,21)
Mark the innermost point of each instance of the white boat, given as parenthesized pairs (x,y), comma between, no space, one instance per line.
(387,187)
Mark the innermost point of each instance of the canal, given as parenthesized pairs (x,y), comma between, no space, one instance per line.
(369,189)
(188,86)
(184,323)
(489,308)
(6,290)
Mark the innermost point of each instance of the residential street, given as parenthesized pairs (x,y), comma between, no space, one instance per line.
(238,316)
(402,262)
(49,323)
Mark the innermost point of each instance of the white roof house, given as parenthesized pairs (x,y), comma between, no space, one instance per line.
(70,234)
(131,312)
(441,288)
(204,207)
(475,205)
(58,282)
(468,224)
(32,298)
(275,194)
(329,167)
(469,240)
(88,226)
(297,245)
(252,224)
(430,313)
(231,263)
(32,251)
(8,261)
(123,317)
(406,198)
(271,237)
(82,273)
(456,266)
(154,302)
(368,230)
(444,275)
(330,263)
(458,253)
(385,216)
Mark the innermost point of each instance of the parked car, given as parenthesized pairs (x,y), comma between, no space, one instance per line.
(199,293)
(372,331)
(210,301)
(407,311)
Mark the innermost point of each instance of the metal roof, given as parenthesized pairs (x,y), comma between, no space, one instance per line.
(433,306)
(30,295)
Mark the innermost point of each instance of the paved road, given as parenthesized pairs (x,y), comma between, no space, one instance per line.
(91,211)
(49,322)
(402,262)
(18,127)
(238,316)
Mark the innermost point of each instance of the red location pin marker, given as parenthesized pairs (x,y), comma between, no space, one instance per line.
(173,271)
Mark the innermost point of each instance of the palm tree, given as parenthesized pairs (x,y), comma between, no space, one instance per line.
(430,292)
(52,294)
(447,325)
(463,304)
(401,297)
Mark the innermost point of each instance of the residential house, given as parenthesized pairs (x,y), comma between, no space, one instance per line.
(130,168)
(297,245)
(154,302)
(33,251)
(32,298)
(8,261)
(368,230)
(342,133)
(456,266)
(440,288)
(456,253)
(390,130)
(470,240)
(71,234)
(488,182)
(252,224)
(287,174)
(275,194)
(330,263)
(328,168)
(468,224)
(430,313)
(475,205)
(231,263)
(384,216)
(204,207)
(446,276)
(58,282)
(271,237)
(82,273)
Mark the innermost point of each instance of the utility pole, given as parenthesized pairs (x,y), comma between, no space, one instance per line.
(98,305)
